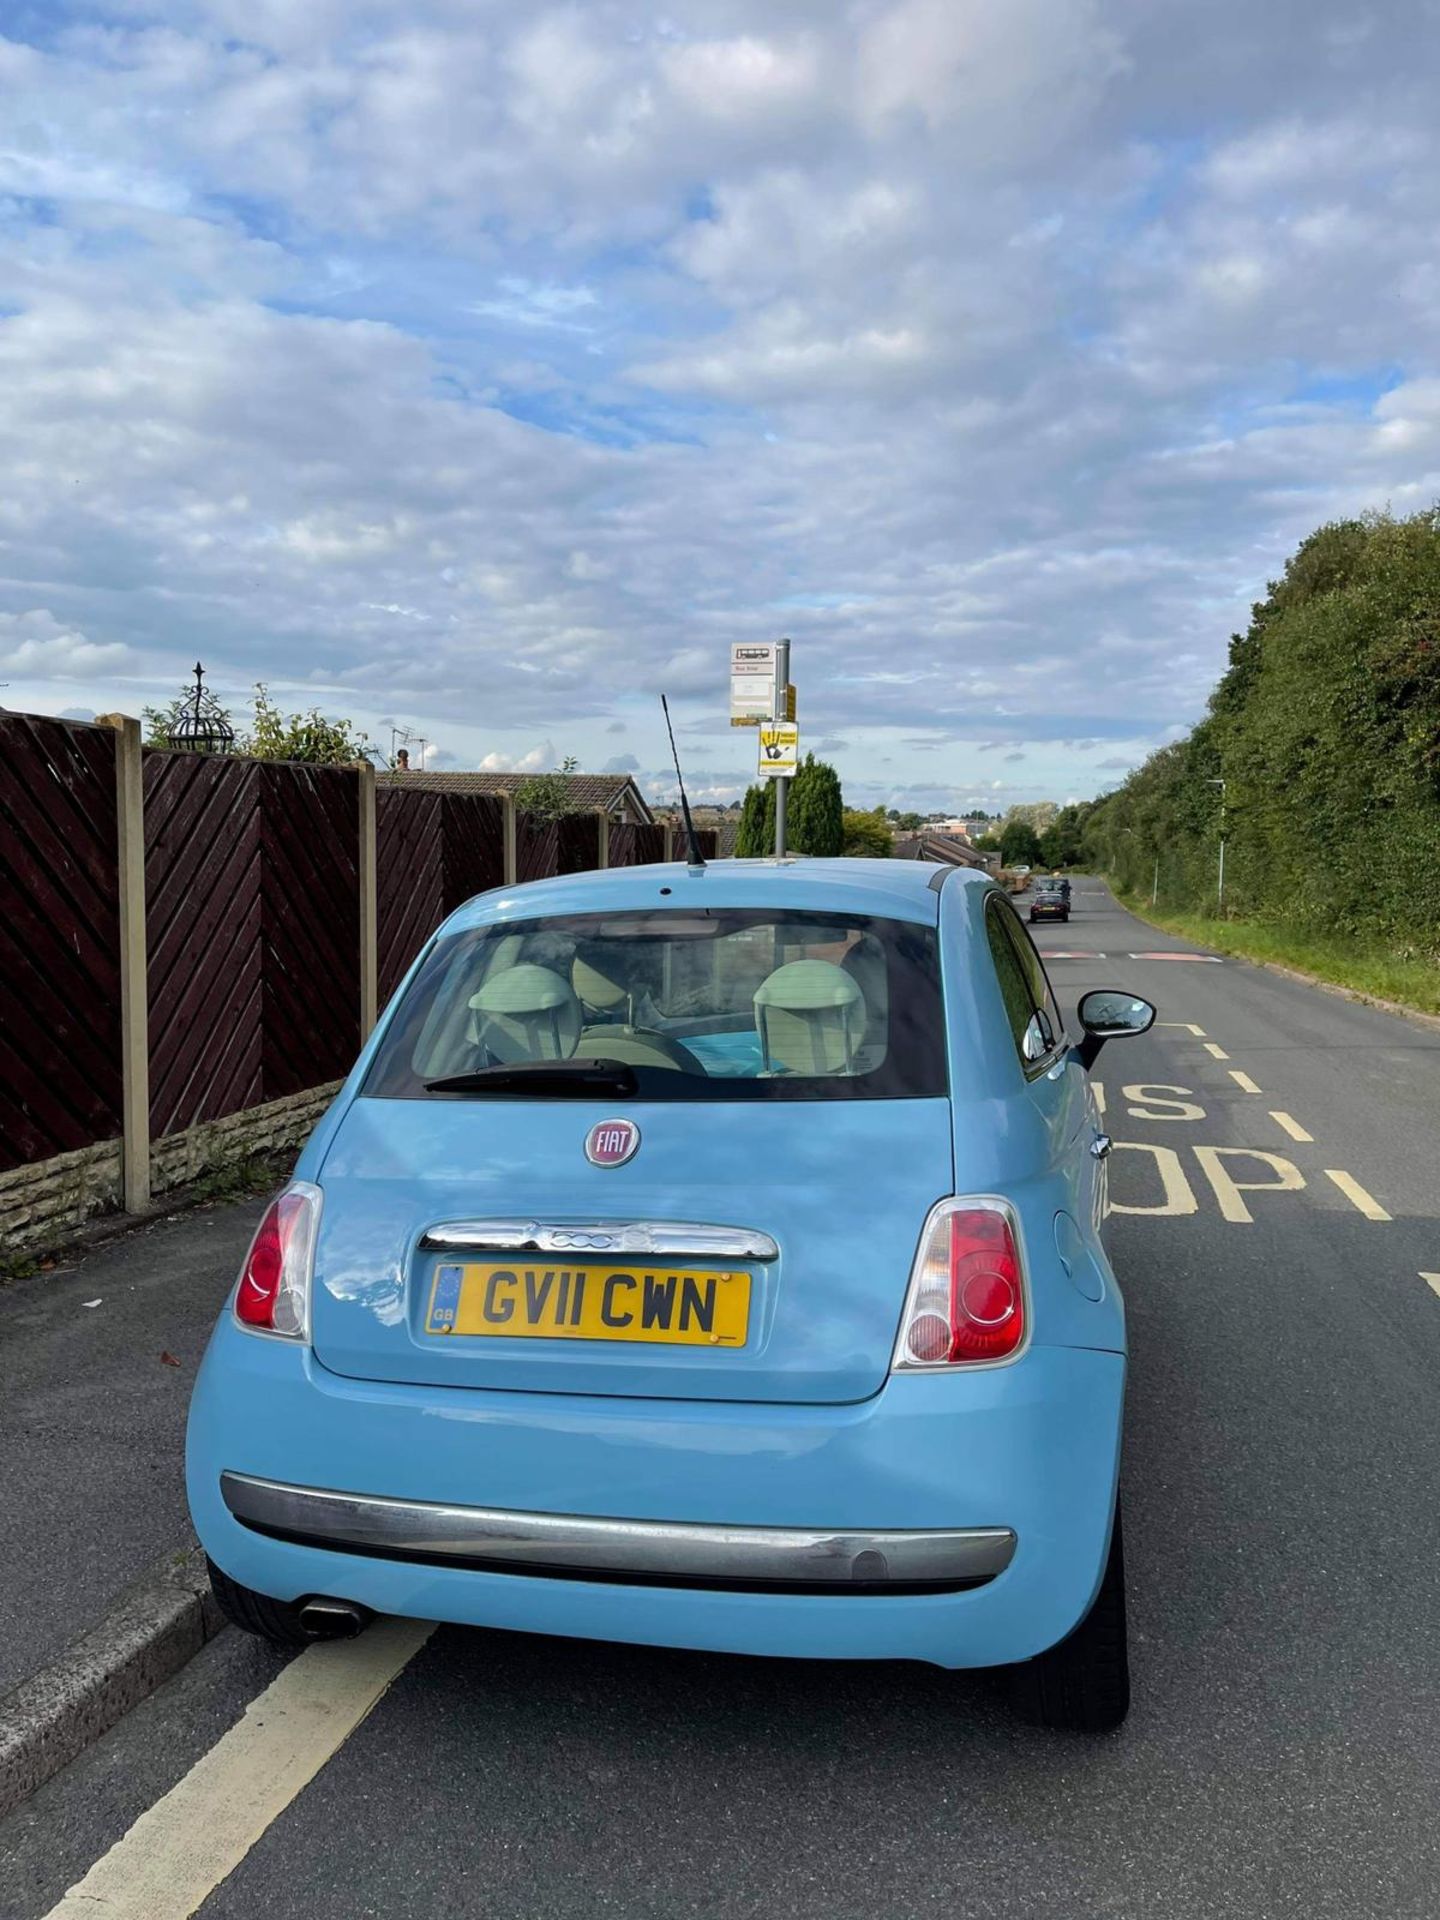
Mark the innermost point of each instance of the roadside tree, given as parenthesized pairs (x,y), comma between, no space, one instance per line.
(867,835)
(1020,844)
(548,796)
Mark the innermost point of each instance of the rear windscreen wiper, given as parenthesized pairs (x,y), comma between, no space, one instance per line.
(563,1077)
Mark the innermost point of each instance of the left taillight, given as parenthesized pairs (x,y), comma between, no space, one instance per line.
(274,1291)
(966,1303)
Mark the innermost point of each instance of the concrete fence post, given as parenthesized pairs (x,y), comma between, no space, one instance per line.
(669,848)
(134,974)
(507,801)
(369,904)
(603,858)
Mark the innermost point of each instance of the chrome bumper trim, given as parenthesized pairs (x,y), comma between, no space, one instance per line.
(573,1546)
(669,1239)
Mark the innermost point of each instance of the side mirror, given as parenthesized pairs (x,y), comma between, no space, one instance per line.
(1107,1013)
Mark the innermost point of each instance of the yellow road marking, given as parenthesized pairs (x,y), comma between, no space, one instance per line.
(1433,1279)
(1151,1095)
(180,1849)
(1228,1191)
(1216,1053)
(1184,1026)
(1292,1127)
(1179,1195)
(1365,1202)
(1243,1081)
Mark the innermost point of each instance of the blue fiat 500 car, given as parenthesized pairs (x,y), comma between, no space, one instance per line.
(703,1257)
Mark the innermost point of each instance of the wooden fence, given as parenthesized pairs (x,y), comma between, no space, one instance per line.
(60,1075)
(635,846)
(189,939)
(434,851)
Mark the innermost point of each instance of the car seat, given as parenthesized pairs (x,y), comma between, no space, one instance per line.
(614,1035)
(867,967)
(810,1016)
(594,978)
(638,1047)
(527,1013)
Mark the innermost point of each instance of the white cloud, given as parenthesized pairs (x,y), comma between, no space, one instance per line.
(38,646)
(541,759)
(496,368)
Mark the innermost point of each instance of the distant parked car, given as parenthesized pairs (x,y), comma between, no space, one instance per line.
(704,1258)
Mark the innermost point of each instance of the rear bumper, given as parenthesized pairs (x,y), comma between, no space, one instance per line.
(643,1552)
(1008,1472)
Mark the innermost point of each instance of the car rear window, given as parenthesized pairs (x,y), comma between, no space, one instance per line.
(718,1004)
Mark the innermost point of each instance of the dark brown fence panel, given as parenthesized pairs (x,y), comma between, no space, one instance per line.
(203,936)
(577,843)
(60,1082)
(474,846)
(709,842)
(311,905)
(536,847)
(409,877)
(635,846)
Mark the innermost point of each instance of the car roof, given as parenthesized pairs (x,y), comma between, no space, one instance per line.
(893,889)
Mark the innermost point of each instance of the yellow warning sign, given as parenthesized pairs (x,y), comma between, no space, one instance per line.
(779,749)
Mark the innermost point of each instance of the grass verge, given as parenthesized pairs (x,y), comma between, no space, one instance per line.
(1363,966)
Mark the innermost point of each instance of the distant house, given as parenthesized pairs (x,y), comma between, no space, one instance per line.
(615,794)
(946,849)
(723,822)
(962,827)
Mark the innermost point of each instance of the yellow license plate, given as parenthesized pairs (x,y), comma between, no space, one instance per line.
(681,1307)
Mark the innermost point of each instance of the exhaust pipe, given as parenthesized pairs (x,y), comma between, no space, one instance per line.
(332,1619)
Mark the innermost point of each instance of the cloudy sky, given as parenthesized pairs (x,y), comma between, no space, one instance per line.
(491,366)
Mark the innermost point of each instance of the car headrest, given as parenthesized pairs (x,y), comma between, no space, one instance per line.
(593,974)
(527,1013)
(810,1016)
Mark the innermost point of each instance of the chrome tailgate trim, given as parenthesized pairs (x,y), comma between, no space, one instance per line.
(669,1239)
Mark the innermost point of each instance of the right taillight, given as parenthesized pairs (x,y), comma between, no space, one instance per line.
(966,1301)
(274,1291)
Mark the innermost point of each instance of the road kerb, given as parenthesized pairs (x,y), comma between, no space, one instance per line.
(156,1625)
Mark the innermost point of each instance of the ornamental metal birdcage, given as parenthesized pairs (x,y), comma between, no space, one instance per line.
(202,725)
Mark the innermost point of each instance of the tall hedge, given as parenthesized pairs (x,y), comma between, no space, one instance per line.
(1325,730)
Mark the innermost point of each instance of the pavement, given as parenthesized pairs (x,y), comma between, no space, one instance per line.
(97,1359)
(1276,1215)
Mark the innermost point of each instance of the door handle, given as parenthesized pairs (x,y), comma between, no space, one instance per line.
(1100,1146)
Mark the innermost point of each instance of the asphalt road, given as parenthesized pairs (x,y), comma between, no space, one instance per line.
(1283,1753)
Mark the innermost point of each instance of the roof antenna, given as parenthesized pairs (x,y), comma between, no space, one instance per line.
(696,862)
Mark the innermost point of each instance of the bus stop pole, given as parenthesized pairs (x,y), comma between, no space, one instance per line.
(782,787)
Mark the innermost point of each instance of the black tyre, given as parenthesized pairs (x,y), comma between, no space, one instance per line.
(277,1621)
(1083,1685)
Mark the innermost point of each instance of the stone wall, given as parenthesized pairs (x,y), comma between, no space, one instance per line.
(46,1203)
(43,1204)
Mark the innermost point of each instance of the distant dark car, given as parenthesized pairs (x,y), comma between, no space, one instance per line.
(1050,900)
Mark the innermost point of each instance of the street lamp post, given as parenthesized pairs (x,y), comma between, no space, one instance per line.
(1220,882)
